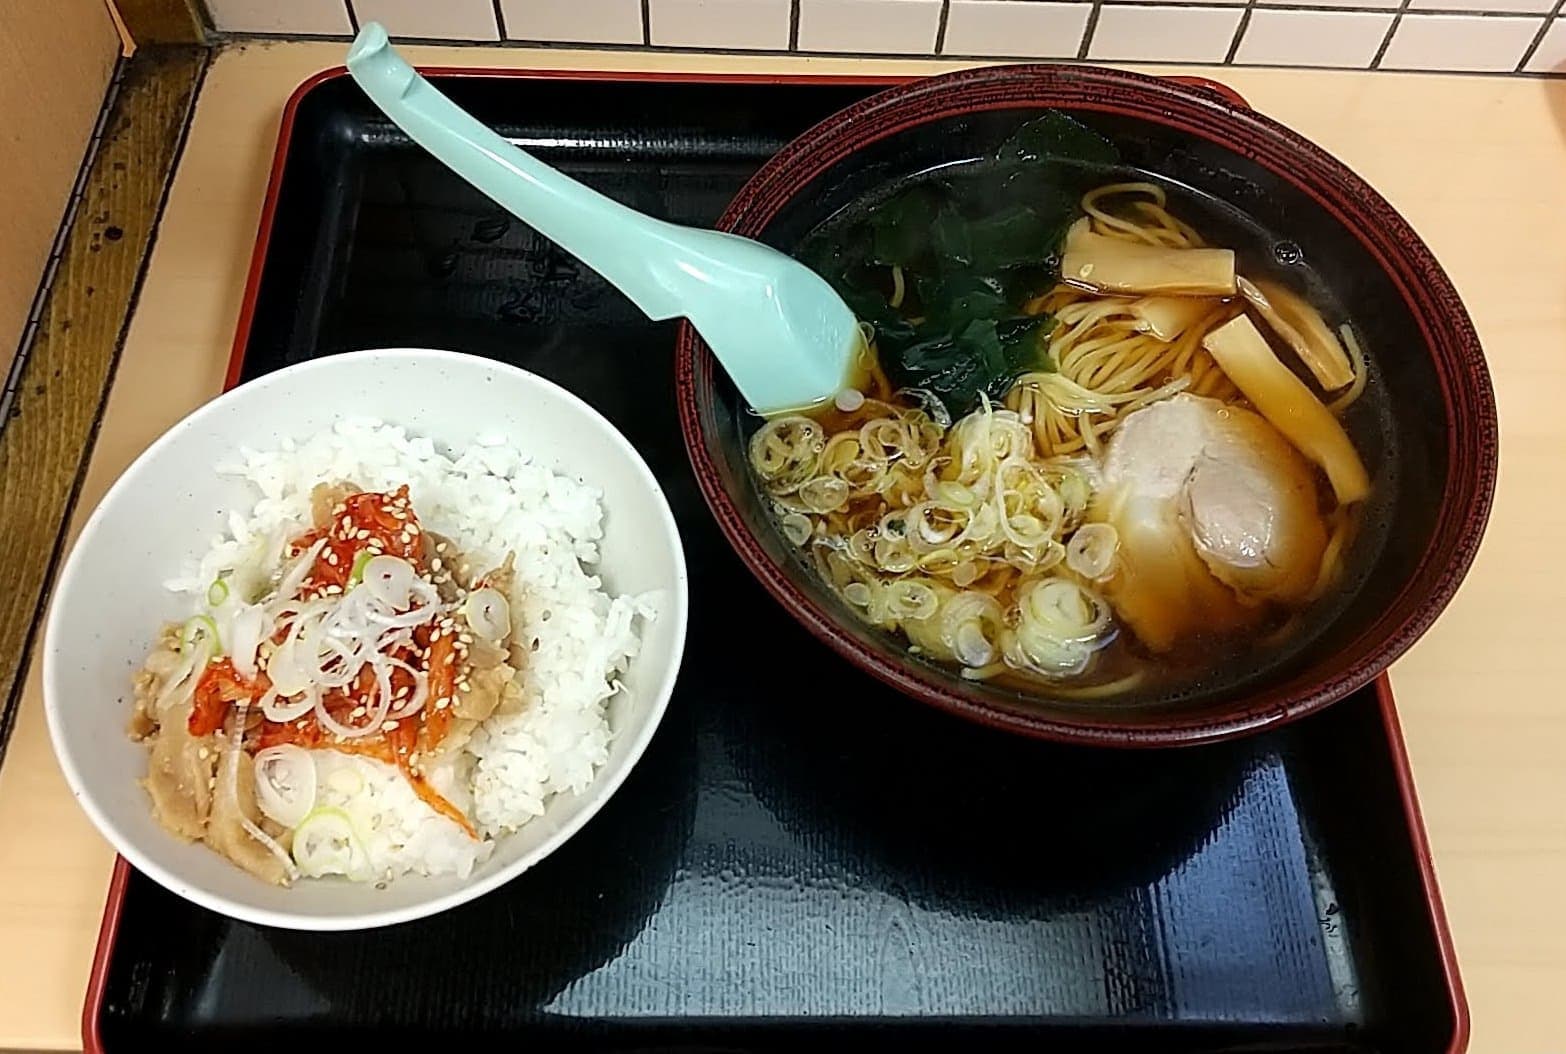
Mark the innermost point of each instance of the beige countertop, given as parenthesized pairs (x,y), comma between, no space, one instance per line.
(1477,164)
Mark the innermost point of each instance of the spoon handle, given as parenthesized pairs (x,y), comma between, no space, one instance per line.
(637,254)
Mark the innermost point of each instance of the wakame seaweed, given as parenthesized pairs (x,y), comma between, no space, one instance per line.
(970,248)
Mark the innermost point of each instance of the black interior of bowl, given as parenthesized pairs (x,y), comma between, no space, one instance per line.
(1399,425)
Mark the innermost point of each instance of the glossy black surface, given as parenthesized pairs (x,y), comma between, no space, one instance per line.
(801,856)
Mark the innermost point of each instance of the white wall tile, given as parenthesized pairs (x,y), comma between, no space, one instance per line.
(446,19)
(1551,56)
(1383,5)
(745,24)
(1135,32)
(1457,42)
(899,27)
(1156,3)
(574,21)
(1516,7)
(1441,35)
(280,16)
(1347,39)
(1009,29)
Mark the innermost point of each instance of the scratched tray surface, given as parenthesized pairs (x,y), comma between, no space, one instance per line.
(801,852)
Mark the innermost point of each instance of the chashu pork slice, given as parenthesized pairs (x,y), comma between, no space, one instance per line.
(1216,514)
(1252,506)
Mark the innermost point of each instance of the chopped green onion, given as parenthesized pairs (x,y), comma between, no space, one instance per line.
(217,592)
(195,629)
(326,842)
(1074,490)
(356,575)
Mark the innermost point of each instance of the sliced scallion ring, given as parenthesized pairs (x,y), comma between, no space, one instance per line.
(198,628)
(327,843)
(356,575)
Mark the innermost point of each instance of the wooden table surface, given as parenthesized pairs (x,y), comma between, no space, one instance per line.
(1477,164)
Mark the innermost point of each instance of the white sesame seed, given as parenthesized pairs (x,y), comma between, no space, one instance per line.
(388,726)
(331,557)
(440,547)
(442,703)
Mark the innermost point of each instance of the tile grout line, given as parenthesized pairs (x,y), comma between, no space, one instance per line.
(793,25)
(647,23)
(1386,41)
(1239,33)
(1089,29)
(500,20)
(353,16)
(1538,38)
(940,27)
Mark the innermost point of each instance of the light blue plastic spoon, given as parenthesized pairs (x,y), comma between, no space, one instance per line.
(785,337)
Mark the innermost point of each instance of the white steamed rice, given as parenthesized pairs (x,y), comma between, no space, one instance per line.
(490,500)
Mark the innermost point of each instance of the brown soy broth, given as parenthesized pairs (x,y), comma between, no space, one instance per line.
(1200,664)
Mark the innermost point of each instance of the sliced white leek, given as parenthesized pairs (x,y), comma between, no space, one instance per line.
(488,613)
(285,783)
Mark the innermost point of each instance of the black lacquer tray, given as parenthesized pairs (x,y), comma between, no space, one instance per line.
(801,856)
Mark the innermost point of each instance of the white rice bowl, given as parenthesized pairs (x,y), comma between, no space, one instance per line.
(496,459)
(490,500)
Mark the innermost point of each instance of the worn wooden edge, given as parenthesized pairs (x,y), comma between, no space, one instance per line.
(151,22)
(64,379)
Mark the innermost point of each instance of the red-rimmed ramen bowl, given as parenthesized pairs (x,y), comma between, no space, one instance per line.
(1426,428)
